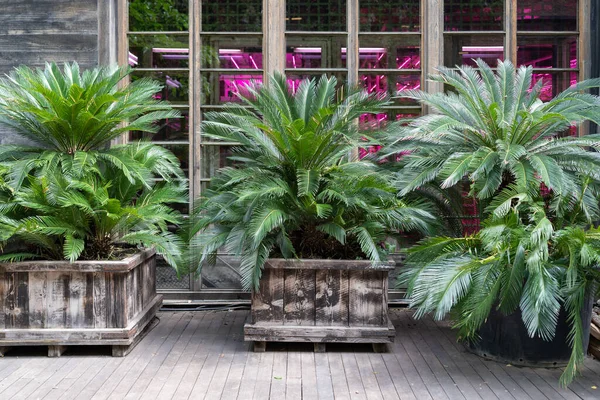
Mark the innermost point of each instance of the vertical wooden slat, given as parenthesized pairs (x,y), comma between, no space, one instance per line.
(432,43)
(299,297)
(584,19)
(38,300)
(273,36)
(122,41)
(21,317)
(352,53)
(137,288)
(331,299)
(195,99)
(365,302)
(3,284)
(11,299)
(77,292)
(88,301)
(108,32)
(267,302)
(58,299)
(130,294)
(100,300)
(115,289)
(510,30)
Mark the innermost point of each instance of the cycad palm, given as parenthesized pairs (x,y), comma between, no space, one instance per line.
(297,191)
(513,266)
(68,193)
(71,117)
(493,129)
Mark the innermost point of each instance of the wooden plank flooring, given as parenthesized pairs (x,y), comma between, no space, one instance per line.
(202,355)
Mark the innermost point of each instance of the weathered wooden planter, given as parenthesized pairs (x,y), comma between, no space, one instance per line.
(57,304)
(321,301)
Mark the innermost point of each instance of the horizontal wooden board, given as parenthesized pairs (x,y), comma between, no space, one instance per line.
(124,265)
(279,263)
(281,332)
(48,16)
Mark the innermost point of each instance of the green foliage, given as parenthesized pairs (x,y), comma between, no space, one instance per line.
(68,194)
(536,252)
(297,189)
(158,15)
(510,265)
(491,130)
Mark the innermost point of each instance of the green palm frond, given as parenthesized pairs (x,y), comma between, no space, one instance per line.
(492,130)
(296,189)
(68,195)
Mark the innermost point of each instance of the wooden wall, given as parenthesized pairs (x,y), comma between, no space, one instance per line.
(35,31)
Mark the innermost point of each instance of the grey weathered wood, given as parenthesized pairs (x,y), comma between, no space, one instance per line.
(299,297)
(216,354)
(56,351)
(280,263)
(274,47)
(344,302)
(267,302)
(80,305)
(331,299)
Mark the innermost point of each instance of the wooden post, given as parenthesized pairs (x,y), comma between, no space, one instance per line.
(260,346)
(432,43)
(56,351)
(352,56)
(109,26)
(273,37)
(510,30)
(195,115)
(117,10)
(584,19)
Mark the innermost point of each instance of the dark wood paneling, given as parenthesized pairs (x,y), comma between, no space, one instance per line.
(48,16)
(35,31)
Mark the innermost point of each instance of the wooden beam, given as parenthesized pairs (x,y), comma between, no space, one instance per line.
(584,19)
(109,21)
(195,115)
(432,43)
(352,56)
(273,37)
(510,30)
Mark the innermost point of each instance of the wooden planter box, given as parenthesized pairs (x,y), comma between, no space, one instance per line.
(57,303)
(321,301)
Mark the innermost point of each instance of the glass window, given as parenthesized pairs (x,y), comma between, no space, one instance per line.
(158,15)
(547,52)
(316,15)
(158,51)
(232,16)
(389,16)
(463,49)
(473,15)
(547,15)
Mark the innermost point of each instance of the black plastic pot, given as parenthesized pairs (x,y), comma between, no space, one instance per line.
(505,339)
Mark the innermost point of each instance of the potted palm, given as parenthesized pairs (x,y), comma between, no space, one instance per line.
(526,277)
(81,222)
(307,217)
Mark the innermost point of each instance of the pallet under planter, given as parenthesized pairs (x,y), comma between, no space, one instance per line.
(321,301)
(59,304)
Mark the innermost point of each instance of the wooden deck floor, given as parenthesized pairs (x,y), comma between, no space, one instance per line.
(201,355)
